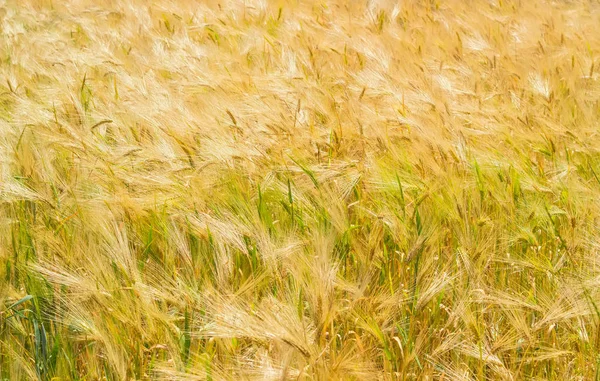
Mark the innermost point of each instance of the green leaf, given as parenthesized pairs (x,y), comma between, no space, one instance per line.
(20,301)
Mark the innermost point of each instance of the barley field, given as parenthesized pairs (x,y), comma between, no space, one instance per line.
(299,190)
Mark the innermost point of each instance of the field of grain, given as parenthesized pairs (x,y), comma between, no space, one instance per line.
(299,190)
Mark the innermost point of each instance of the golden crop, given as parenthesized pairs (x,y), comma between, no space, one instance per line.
(299,190)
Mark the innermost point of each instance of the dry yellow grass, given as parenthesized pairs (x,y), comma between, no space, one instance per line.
(273,190)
